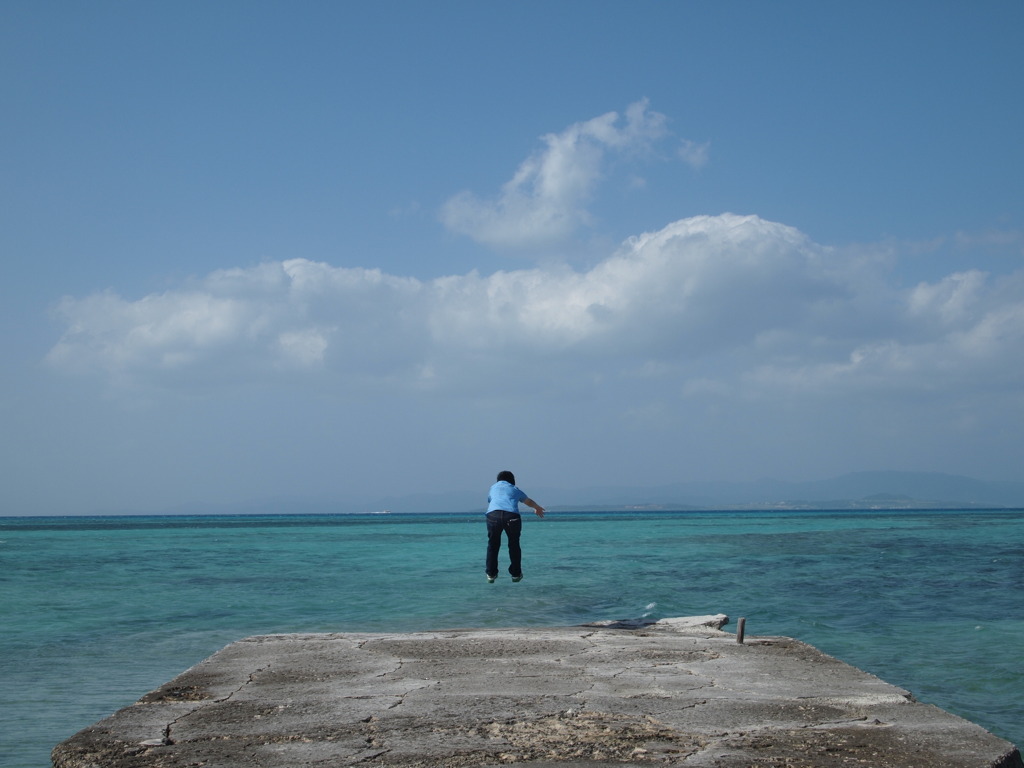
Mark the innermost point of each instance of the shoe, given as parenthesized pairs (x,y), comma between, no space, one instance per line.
(517,578)
(490,579)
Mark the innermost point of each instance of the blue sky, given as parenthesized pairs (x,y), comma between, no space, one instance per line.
(346,251)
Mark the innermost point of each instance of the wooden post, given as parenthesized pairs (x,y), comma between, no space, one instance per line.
(741,626)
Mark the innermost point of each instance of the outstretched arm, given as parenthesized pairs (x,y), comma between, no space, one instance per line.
(538,510)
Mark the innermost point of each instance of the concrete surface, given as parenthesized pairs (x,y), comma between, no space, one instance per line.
(676,692)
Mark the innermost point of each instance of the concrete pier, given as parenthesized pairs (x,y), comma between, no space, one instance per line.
(675,692)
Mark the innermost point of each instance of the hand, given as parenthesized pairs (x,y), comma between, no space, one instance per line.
(538,511)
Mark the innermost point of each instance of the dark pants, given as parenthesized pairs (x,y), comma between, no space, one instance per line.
(512,524)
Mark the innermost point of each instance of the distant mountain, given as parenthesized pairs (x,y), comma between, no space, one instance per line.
(902,490)
(859,490)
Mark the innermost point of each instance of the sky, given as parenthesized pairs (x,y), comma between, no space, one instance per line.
(343,251)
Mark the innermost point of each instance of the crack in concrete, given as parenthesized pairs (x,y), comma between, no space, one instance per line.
(844,721)
(372,736)
(168,740)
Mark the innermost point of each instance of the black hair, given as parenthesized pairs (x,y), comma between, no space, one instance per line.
(507,476)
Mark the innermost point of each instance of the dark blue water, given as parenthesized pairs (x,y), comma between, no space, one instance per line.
(94,612)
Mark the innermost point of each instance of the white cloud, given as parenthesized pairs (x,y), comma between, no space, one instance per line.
(161,331)
(546,199)
(964,338)
(239,322)
(713,306)
(694,154)
(303,348)
(1001,239)
(950,301)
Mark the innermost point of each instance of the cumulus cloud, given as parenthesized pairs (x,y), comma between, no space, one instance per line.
(949,301)
(962,336)
(295,315)
(712,306)
(546,199)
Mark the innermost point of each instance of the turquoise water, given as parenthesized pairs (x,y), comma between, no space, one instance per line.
(94,612)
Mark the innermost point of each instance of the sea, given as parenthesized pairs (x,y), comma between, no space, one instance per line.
(97,611)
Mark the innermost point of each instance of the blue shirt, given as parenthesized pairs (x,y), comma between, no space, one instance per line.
(504,496)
